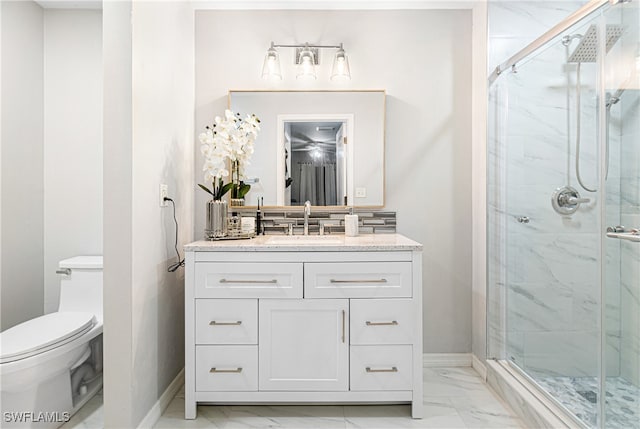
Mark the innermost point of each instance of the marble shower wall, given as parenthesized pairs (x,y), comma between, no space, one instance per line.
(544,275)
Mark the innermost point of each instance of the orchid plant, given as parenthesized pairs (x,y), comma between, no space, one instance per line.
(229,139)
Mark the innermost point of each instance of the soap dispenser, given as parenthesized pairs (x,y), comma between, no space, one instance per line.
(351,224)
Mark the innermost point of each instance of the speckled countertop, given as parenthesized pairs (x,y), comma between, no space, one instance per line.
(310,243)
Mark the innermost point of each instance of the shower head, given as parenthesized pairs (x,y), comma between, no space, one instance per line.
(587,49)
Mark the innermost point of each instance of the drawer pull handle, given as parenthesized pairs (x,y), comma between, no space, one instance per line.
(249,281)
(358,281)
(392,369)
(216,323)
(217,370)
(392,323)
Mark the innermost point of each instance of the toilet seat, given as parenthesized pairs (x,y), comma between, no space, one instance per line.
(43,333)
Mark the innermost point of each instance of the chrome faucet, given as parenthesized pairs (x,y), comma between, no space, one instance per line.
(307,212)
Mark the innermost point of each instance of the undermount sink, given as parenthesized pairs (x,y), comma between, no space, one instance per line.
(304,239)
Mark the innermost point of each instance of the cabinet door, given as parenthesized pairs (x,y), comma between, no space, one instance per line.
(304,344)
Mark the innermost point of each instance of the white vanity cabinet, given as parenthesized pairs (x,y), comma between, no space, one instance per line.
(304,323)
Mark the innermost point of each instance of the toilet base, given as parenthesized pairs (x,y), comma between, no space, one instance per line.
(39,394)
(18,407)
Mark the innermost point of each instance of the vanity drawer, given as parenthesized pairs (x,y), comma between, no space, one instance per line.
(248,280)
(382,321)
(381,368)
(226,321)
(226,368)
(357,280)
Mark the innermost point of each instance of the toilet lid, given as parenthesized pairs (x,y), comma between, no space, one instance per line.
(43,333)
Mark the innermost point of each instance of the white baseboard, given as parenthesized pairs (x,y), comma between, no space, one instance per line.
(163,402)
(479,366)
(434,360)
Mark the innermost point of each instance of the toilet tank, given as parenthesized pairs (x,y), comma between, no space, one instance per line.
(81,285)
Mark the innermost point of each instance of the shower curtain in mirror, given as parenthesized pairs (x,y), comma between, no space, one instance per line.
(318,184)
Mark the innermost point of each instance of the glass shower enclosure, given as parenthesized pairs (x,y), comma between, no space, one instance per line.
(564,214)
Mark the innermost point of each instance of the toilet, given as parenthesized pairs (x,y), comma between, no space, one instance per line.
(52,365)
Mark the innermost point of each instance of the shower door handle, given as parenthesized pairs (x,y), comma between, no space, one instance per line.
(621,233)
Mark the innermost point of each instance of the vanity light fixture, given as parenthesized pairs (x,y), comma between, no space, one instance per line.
(271,67)
(306,58)
(340,69)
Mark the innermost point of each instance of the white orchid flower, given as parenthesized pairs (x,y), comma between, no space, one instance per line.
(231,139)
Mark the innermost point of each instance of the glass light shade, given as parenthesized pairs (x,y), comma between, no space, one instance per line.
(340,68)
(306,68)
(271,67)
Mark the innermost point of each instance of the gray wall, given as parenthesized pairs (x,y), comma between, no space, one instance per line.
(118,218)
(72,141)
(22,183)
(422,58)
(148,122)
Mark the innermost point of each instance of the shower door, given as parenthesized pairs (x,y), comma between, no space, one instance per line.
(564,295)
(621,246)
(551,274)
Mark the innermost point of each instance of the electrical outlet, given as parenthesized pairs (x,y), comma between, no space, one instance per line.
(164,192)
(361,192)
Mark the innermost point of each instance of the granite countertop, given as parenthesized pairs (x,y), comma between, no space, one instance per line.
(309,243)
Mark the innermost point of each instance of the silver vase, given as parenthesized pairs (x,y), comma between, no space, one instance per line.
(216,226)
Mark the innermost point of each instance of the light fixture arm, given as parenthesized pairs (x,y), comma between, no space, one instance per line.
(308,46)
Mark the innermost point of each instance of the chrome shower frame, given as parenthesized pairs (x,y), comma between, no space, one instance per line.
(554,32)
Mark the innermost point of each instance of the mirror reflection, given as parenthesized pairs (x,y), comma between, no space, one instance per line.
(326,147)
(315,167)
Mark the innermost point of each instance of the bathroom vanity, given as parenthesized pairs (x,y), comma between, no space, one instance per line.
(304,319)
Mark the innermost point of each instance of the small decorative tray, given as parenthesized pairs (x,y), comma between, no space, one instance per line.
(240,236)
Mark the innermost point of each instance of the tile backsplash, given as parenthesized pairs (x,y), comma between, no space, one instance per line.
(276,221)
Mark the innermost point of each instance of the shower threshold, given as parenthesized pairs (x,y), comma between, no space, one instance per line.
(571,399)
(528,398)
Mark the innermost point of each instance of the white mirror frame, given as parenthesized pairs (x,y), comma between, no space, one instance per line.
(347,118)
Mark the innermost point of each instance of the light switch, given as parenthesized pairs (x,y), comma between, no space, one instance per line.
(361,192)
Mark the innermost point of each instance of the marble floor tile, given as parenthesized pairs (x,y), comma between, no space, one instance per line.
(280,416)
(438,413)
(452,382)
(90,416)
(485,411)
(454,398)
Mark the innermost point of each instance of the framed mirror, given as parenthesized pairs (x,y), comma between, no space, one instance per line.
(326,147)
